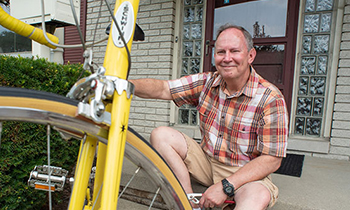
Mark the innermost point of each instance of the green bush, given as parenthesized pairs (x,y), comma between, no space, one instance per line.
(23,145)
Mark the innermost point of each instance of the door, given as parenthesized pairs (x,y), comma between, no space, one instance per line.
(273,25)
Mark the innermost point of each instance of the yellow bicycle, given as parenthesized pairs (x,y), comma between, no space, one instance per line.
(96,112)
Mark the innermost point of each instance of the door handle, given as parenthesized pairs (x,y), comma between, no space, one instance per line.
(207,45)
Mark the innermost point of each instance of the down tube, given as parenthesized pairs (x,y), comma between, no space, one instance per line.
(116,65)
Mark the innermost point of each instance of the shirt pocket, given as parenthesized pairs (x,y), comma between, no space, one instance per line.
(207,117)
(243,140)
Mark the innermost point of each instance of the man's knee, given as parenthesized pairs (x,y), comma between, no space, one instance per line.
(254,195)
(159,135)
(164,138)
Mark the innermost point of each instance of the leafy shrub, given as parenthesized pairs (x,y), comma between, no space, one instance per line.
(23,145)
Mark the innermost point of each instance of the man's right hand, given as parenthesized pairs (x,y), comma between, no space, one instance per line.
(213,196)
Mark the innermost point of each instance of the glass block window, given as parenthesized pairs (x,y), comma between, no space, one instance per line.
(192,36)
(313,70)
(188,115)
(191,53)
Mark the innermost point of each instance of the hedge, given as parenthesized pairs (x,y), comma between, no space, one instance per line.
(23,145)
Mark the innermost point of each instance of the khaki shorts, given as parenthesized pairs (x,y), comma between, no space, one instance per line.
(209,171)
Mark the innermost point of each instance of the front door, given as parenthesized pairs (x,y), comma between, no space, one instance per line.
(273,25)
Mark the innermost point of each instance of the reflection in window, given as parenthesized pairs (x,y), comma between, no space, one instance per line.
(270,48)
(12,42)
(255,17)
(275,54)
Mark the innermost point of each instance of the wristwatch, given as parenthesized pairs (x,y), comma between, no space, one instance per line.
(228,188)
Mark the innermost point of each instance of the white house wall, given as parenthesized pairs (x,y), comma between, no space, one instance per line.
(340,134)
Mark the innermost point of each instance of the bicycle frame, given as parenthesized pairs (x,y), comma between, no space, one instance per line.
(110,158)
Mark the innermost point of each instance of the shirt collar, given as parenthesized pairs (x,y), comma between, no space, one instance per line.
(249,89)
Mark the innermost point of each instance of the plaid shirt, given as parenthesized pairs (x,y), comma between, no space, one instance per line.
(238,128)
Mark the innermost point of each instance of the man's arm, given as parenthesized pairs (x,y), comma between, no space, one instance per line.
(152,88)
(275,117)
(256,169)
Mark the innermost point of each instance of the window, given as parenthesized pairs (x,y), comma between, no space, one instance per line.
(190,54)
(12,42)
(313,68)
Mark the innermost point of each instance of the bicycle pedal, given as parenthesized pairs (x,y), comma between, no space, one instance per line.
(39,178)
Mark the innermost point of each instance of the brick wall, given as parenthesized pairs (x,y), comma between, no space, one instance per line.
(150,58)
(340,137)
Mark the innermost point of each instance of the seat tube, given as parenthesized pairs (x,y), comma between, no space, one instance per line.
(116,64)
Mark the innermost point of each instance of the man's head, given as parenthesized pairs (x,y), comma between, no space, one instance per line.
(234,53)
(248,37)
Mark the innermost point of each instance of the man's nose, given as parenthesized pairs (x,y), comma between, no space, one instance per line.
(227,56)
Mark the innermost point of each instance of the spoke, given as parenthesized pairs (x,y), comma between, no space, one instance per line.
(132,178)
(0,133)
(98,195)
(81,150)
(154,198)
(48,163)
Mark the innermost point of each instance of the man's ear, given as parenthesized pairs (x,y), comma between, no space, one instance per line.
(252,54)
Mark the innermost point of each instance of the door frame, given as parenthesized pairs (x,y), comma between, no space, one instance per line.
(290,41)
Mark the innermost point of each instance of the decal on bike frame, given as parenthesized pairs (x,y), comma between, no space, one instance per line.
(125,19)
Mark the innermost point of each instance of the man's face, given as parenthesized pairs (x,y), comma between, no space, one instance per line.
(232,58)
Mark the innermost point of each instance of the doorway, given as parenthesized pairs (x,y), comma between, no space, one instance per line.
(273,25)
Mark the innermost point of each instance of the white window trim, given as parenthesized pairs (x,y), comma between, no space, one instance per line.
(295,140)
(177,57)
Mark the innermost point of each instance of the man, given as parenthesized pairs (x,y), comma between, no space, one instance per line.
(243,121)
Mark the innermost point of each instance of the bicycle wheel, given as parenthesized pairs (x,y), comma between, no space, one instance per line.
(17,104)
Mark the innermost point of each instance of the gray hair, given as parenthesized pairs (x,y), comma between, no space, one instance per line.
(247,36)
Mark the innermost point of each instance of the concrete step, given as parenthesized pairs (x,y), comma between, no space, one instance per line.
(324,184)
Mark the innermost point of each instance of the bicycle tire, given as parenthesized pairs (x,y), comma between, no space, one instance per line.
(18,104)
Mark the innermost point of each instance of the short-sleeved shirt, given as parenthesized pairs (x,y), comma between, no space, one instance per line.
(236,128)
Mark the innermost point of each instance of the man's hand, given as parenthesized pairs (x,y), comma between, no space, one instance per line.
(213,196)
